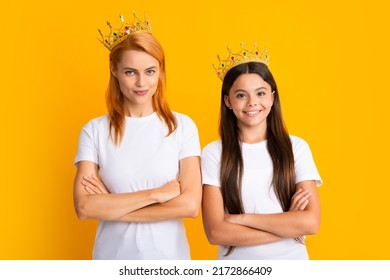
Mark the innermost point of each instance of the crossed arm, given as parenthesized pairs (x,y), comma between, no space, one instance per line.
(172,200)
(303,218)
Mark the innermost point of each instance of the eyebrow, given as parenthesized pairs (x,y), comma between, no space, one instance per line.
(239,90)
(133,69)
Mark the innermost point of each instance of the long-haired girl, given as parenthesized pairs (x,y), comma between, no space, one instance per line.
(260,193)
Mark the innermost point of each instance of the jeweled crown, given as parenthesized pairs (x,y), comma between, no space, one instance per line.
(117,35)
(243,56)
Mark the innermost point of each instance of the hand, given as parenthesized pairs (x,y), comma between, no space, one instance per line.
(232,218)
(93,185)
(167,191)
(300,200)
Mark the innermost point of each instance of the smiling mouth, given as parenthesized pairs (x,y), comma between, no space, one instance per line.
(252,113)
(141,92)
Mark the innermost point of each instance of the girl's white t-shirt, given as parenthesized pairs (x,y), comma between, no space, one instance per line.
(257,193)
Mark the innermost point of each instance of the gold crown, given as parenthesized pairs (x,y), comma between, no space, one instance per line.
(117,35)
(243,56)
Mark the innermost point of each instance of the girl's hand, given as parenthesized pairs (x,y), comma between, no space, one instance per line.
(93,185)
(300,200)
(232,218)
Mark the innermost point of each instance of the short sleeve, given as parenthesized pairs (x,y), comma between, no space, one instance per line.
(305,167)
(190,145)
(87,149)
(211,164)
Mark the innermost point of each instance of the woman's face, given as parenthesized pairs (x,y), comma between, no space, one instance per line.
(137,74)
(251,100)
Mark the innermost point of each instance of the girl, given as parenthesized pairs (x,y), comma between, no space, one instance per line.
(260,184)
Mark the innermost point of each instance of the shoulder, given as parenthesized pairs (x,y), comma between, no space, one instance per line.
(297,141)
(214,148)
(97,124)
(98,121)
(211,157)
(299,145)
(185,124)
(182,118)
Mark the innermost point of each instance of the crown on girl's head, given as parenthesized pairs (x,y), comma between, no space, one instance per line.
(117,35)
(243,56)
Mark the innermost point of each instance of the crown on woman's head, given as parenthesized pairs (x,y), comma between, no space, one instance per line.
(243,56)
(117,35)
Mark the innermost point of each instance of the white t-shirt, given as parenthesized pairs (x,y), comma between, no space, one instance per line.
(145,159)
(257,194)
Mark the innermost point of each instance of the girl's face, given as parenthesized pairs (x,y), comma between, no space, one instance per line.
(137,74)
(251,100)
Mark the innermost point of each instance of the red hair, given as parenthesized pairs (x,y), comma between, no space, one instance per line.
(114,98)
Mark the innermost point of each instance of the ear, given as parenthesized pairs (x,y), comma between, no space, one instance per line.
(113,71)
(227,102)
(273,97)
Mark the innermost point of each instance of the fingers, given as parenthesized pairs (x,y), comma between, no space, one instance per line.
(89,186)
(234,219)
(304,204)
(228,218)
(99,184)
(93,185)
(300,200)
(298,193)
(174,182)
(168,191)
(89,190)
(174,185)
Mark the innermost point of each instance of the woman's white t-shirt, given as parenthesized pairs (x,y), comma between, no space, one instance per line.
(145,159)
(257,194)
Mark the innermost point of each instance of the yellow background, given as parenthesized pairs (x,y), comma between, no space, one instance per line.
(330,60)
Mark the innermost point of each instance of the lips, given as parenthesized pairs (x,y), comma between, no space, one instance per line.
(252,113)
(141,92)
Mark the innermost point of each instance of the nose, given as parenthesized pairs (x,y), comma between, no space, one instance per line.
(140,80)
(252,102)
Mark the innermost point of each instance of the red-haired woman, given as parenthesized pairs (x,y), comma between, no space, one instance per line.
(147,158)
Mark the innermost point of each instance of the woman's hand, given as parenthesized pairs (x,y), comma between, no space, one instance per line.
(162,194)
(93,185)
(300,200)
(92,199)
(167,191)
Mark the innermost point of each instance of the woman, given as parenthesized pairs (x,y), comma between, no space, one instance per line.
(260,184)
(147,158)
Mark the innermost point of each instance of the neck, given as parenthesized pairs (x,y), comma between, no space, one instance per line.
(251,135)
(138,111)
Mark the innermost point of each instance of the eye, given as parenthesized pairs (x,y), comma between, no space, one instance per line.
(150,72)
(261,93)
(240,95)
(130,72)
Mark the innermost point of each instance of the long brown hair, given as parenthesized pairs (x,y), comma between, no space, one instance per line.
(278,144)
(114,98)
